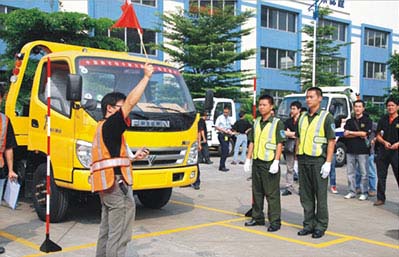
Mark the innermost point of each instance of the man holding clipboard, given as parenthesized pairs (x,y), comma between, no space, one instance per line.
(7,143)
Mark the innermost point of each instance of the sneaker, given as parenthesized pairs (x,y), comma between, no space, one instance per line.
(241,163)
(334,189)
(363,197)
(372,193)
(234,163)
(286,192)
(350,195)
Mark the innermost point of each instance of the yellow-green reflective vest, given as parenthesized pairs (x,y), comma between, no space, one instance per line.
(265,140)
(312,136)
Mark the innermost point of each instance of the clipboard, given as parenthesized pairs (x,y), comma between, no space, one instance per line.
(11,193)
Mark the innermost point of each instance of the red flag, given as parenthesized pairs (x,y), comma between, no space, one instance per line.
(128,18)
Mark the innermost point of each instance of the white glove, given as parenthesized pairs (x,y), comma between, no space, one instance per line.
(248,165)
(325,169)
(274,167)
(296,166)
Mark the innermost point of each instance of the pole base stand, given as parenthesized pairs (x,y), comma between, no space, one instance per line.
(49,246)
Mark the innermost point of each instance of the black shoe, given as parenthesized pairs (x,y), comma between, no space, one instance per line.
(2,250)
(209,162)
(273,228)
(196,187)
(304,232)
(224,169)
(317,233)
(295,177)
(286,192)
(241,163)
(253,222)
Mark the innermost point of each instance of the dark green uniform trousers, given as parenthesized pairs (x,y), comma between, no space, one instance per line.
(313,193)
(265,184)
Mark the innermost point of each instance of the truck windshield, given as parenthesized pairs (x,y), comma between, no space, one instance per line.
(284,107)
(166,96)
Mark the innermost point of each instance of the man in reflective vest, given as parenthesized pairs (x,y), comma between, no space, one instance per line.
(111,174)
(7,143)
(265,148)
(315,149)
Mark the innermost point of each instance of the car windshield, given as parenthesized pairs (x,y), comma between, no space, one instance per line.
(284,107)
(165,94)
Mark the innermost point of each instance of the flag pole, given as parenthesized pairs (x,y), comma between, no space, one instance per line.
(142,43)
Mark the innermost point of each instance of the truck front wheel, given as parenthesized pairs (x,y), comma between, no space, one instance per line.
(340,155)
(58,199)
(155,198)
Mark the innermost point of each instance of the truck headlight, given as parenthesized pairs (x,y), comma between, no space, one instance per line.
(83,152)
(193,154)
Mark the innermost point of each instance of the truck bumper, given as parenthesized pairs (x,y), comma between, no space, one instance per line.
(142,178)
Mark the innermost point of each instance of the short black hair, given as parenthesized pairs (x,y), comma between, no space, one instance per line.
(316,89)
(267,97)
(392,99)
(241,114)
(297,104)
(111,99)
(359,101)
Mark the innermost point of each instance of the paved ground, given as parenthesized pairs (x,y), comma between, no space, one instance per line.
(210,222)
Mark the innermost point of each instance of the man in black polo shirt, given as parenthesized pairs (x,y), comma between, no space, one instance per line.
(357,145)
(387,136)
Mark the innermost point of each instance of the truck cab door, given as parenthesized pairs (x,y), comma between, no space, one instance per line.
(61,119)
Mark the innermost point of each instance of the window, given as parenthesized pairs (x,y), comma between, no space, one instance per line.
(145,2)
(278,19)
(196,5)
(339,33)
(277,58)
(337,66)
(59,75)
(374,70)
(133,40)
(375,38)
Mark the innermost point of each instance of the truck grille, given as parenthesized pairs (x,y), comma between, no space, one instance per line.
(161,157)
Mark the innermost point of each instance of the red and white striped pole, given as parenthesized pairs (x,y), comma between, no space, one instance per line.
(48,245)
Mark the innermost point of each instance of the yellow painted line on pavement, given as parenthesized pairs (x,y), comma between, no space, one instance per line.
(146,235)
(207,208)
(19,240)
(343,237)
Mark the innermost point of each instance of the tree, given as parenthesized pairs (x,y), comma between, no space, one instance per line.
(327,56)
(22,26)
(206,45)
(393,65)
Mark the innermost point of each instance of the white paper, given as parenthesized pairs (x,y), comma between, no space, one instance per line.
(2,183)
(11,194)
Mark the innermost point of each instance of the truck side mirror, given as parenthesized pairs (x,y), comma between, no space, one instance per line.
(74,87)
(208,105)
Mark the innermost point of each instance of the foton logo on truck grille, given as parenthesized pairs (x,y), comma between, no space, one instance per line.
(151,123)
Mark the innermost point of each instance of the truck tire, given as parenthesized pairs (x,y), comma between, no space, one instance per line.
(58,200)
(154,198)
(340,155)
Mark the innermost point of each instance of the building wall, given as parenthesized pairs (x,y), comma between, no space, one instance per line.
(358,16)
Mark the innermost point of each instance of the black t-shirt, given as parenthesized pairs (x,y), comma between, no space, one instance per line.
(11,141)
(391,131)
(202,126)
(241,126)
(113,128)
(357,145)
(291,124)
